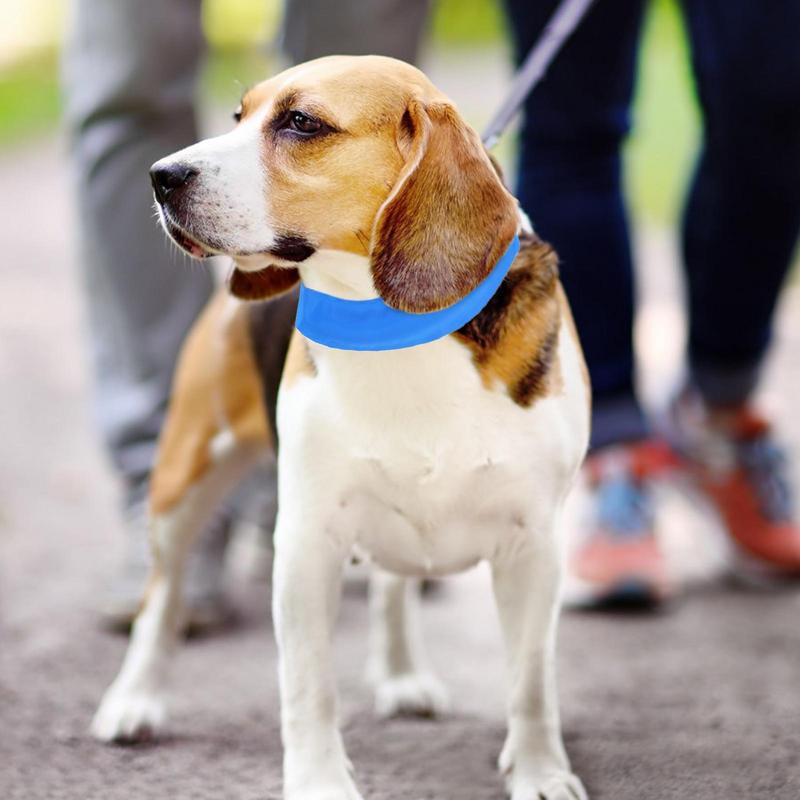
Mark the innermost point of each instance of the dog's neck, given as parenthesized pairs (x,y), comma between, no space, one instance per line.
(348,275)
(340,274)
(372,325)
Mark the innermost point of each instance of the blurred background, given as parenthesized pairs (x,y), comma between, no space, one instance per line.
(698,674)
(465,39)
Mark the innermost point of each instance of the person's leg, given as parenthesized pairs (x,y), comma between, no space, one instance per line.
(743,213)
(741,226)
(129,74)
(314,28)
(570,184)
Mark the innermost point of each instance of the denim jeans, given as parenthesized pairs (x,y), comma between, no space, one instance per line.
(742,214)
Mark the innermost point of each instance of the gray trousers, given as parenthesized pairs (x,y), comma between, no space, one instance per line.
(130,70)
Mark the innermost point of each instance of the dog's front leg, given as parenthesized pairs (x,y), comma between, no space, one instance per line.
(306,590)
(526,584)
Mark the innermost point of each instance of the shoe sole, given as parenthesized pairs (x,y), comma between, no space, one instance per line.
(755,573)
(630,593)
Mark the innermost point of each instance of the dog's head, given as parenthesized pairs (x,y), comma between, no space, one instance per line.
(357,154)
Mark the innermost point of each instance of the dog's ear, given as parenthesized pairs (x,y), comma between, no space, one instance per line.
(262,284)
(448,219)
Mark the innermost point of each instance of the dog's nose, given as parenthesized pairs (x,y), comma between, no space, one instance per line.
(167,177)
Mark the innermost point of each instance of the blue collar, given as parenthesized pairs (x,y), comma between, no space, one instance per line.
(372,325)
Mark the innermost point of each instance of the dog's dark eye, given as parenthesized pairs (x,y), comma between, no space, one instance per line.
(302,123)
(237,115)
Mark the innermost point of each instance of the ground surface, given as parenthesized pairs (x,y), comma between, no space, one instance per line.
(702,701)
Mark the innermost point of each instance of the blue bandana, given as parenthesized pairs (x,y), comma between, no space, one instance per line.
(372,325)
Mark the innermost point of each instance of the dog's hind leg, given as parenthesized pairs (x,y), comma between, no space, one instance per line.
(215,432)
(134,706)
(397,665)
(526,585)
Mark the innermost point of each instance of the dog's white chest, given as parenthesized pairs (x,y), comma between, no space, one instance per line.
(434,510)
(417,464)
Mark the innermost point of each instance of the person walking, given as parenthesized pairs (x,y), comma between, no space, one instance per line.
(130,72)
(739,231)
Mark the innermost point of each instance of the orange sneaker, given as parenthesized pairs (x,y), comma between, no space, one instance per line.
(620,563)
(735,461)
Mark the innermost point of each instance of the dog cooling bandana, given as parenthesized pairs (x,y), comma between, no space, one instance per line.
(371,325)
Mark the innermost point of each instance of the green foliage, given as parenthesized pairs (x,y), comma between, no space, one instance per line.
(29,97)
(239,24)
(660,152)
(467,22)
(229,72)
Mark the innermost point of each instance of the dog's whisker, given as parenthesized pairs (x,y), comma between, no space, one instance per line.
(362,238)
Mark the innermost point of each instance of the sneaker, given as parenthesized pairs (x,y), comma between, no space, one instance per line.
(205,606)
(620,563)
(734,459)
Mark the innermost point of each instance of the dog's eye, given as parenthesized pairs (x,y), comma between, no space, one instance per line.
(302,123)
(237,115)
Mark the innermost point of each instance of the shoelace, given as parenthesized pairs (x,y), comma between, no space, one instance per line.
(624,507)
(765,465)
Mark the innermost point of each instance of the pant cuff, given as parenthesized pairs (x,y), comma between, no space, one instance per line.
(724,386)
(616,420)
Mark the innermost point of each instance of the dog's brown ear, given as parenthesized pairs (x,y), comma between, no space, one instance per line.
(262,284)
(448,219)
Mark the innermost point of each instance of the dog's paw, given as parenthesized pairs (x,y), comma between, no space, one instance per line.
(320,788)
(128,717)
(546,781)
(413,694)
(556,785)
(327,792)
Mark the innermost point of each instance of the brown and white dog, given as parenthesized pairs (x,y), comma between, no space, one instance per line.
(358,176)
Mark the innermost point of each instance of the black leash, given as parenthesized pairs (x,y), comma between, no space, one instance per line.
(559,27)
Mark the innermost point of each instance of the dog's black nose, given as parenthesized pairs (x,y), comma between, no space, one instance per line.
(167,177)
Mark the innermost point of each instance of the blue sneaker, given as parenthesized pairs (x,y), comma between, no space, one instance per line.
(620,563)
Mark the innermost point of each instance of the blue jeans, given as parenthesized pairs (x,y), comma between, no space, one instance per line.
(742,215)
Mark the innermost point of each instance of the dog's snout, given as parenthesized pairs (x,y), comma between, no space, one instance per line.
(167,177)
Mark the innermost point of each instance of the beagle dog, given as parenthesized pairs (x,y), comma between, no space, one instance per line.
(356,179)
